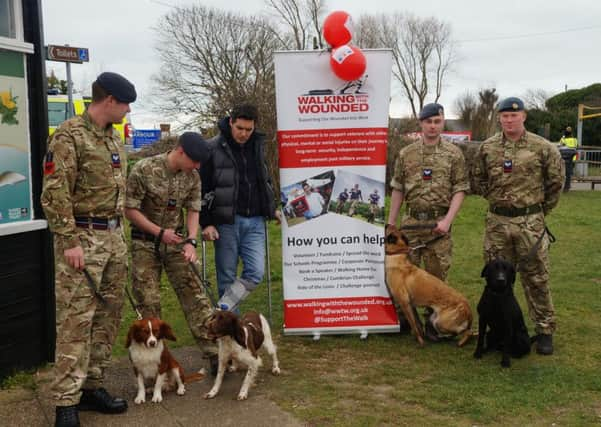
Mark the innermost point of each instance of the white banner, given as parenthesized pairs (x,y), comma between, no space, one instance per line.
(332,138)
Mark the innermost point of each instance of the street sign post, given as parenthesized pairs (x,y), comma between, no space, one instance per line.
(68,54)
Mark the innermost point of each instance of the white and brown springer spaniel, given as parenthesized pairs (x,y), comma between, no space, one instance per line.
(153,362)
(239,340)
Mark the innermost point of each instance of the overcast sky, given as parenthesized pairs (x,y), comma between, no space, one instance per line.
(513,45)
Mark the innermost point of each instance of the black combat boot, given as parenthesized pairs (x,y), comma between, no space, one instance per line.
(67,416)
(544,344)
(100,400)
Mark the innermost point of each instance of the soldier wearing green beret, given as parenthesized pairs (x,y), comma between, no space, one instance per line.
(159,188)
(83,195)
(521,175)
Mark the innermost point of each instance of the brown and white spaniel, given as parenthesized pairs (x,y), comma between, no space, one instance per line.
(152,361)
(239,341)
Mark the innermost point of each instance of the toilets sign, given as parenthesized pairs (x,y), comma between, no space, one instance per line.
(68,54)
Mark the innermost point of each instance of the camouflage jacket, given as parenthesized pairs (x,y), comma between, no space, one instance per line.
(161,194)
(429,175)
(519,174)
(84,175)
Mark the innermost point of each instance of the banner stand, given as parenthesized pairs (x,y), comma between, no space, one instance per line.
(332,140)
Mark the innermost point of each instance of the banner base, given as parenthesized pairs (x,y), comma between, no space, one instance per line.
(363,332)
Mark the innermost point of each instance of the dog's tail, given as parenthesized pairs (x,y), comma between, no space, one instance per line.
(197,376)
(465,337)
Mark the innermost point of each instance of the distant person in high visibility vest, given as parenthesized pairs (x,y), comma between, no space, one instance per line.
(567,148)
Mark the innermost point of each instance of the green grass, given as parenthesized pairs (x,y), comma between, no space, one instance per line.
(387,380)
(23,379)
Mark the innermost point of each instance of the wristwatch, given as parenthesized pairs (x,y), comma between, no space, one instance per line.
(191,241)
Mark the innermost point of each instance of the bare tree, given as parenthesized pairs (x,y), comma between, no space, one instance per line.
(478,114)
(535,99)
(301,20)
(423,52)
(466,105)
(368,34)
(211,60)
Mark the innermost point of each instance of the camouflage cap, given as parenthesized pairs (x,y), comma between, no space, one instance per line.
(195,146)
(430,110)
(118,86)
(510,104)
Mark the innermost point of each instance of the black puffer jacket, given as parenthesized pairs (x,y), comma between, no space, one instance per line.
(221,177)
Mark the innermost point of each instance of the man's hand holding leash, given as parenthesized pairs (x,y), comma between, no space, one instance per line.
(210,233)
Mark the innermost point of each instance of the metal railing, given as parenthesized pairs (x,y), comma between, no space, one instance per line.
(588,163)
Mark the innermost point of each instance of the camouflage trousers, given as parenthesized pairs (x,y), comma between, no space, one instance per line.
(374,210)
(436,256)
(512,239)
(353,207)
(146,279)
(86,328)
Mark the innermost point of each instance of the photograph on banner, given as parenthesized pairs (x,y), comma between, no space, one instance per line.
(359,197)
(307,199)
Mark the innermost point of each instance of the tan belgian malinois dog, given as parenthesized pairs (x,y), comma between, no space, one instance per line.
(413,287)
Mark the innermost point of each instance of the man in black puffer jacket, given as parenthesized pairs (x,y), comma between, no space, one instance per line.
(240,196)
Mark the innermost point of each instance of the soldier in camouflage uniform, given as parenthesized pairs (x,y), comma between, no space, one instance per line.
(521,175)
(342,198)
(374,209)
(355,197)
(83,195)
(159,188)
(430,177)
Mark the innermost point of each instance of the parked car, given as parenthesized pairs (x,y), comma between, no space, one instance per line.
(57,113)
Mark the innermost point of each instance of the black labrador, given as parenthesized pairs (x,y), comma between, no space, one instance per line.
(500,312)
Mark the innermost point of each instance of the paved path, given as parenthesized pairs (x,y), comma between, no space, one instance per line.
(21,407)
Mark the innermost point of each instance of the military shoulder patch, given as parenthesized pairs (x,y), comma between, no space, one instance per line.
(115,160)
(49,166)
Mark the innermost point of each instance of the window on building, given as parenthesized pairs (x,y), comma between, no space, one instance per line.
(7,19)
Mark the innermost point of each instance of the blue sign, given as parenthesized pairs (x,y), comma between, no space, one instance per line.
(145,137)
(83,54)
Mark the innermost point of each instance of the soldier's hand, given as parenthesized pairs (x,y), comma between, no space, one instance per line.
(189,252)
(170,237)
(442,227)
(210,233)
(74,257)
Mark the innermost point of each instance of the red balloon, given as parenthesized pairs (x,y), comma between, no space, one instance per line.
(348,62)
(338,28)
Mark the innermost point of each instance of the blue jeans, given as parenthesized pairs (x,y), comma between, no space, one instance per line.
(244,239)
